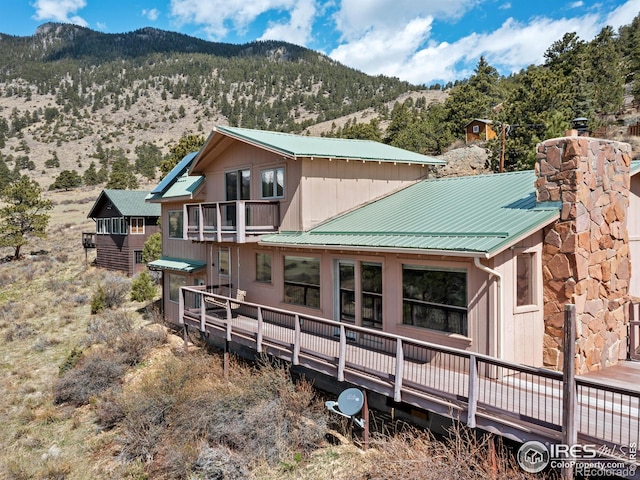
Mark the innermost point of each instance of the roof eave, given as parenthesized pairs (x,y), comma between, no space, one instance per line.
(395,250)
(514,239)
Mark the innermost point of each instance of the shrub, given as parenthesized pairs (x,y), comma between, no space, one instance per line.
(109,295)
(143,288)
(185,400)
(115,330)
(92,375)
(98,301)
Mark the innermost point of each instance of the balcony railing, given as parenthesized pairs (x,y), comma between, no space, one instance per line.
(236,219)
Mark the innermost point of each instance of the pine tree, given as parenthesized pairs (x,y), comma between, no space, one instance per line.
(24,215)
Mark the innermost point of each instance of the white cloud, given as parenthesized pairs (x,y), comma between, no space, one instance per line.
(151,14)
(101,26)
(578,4)
(357,17)
(299,28)
(217,17)
(624,14)
(413,55)
(382,47)
(60,11)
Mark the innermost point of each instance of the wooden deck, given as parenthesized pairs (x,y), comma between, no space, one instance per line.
(516,401)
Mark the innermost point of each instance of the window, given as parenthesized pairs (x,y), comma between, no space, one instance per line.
(272,183)
(371,287)
(137,225)
(100,227)
(302,281)
(137,257)
(118,226)
(263,267)
(238,185)
(524,279)
(476,129)
(175,282)
(224,265)
(175,223)
(434,298)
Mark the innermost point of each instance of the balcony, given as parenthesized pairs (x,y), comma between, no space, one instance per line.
(238,221)
(89,239)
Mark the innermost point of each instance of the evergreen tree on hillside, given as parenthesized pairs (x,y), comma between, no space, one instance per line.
(90,176)
(6,176)
(186,145)
(24,215)
(122,176)
(67,180)
(606,72)
(148,158)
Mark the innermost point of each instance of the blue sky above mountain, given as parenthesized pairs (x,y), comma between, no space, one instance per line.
(415,40)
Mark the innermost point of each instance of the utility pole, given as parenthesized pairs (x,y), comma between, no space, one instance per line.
(503,136)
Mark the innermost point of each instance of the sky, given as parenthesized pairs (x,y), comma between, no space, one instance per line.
(420,41)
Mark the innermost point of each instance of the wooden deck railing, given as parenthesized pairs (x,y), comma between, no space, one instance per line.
(213,221)
(518,401)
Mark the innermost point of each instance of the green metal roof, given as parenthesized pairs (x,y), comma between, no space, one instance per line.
(476,214)
(176,264)
(294,146)
(130,203)
(184,186)
(178,183)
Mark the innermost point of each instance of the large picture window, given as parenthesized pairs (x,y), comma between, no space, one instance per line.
(238,185)
(434,298)
(263,267)
(175,223)
(272,185)
(175,282)
(302,281)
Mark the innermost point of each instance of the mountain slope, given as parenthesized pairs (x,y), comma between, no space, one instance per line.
(66,89)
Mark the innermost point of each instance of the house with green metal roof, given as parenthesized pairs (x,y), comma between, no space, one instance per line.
(124,221)
(362,233)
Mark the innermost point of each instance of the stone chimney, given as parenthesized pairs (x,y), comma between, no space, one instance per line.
(585,256)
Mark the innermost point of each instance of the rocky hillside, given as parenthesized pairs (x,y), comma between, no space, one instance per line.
(67,89)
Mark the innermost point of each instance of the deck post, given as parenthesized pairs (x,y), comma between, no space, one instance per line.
(203,312)
(569,397)
(342,353)
(218,224)
(181,307)
(240,221)
(397,388)
(229,317)
(296,341)
(259,334)
(474,385)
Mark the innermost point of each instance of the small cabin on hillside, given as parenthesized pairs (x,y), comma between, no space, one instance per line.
(124,221)
(479,130)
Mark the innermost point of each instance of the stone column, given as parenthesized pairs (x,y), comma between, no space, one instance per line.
(585,256)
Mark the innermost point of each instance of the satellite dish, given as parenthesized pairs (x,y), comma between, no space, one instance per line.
(349,403)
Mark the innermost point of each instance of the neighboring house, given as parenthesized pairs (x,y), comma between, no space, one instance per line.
(356,231)
(124,221)
(479,130)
